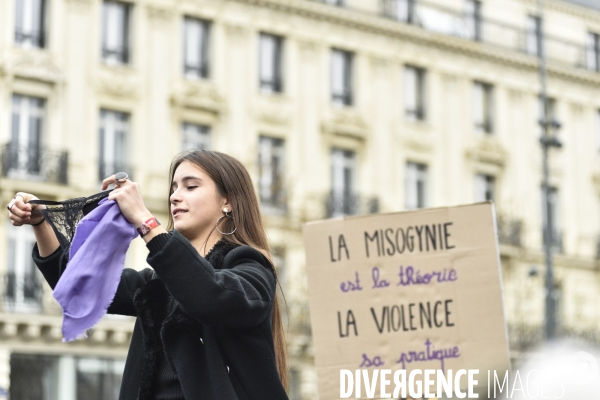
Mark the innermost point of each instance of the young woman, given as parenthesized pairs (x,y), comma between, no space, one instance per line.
(208,320)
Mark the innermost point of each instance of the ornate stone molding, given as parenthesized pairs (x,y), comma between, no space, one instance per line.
(345,122)
(159,15)
(273,111)
(37,65)
(197,95)
(117,82)
(489,151)
(421,142)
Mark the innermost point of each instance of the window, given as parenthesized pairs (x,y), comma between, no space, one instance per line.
(414,93)
(195,137)
(334,2)
(50,377)
(30,24)
(484,187)
(270,54)
(23,285)
(115,32)
(341,77)
(554,213)
(114,131)
(99,379)
(534,35)
(401,10)
(27,126)
(416,185)
(483,107)
(271,161)
(196,48)
(342,199)
(593,51)
(473,20)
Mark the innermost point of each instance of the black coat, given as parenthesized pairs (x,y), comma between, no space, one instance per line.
(217,336)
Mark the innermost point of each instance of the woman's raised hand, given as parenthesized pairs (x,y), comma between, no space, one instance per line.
(128,196)
(20,213)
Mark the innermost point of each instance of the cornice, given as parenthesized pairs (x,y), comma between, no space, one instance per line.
(377,25)
(568,8)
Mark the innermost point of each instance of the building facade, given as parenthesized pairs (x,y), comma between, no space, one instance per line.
(336,107)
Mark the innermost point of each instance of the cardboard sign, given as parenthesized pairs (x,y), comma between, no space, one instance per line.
(411,290)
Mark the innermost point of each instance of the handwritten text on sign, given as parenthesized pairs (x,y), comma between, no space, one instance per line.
(408,290)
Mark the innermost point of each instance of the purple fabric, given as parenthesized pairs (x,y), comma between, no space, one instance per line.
(96,258)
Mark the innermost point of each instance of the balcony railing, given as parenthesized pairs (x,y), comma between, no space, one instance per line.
(524,337)
(557,240)
(34,163)
(35,38)
(22,292)
(106,169)
(339,204)
(118,54)
(510,231)
(473,27)
(274,202)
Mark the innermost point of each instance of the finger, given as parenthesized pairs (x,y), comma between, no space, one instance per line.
(108,181)
(18,209)
(21,203)
(16,220)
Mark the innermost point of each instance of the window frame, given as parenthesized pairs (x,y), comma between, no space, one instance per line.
(345,98)
(420,172)
(275,85)
(29,39)
(271,175)
(119,127)
(416,87)
(117,56)
(485,108)
(201,70)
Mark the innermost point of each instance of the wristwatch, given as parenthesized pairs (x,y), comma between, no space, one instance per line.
(147,226)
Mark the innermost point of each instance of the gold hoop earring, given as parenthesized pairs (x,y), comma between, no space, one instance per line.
(226,211)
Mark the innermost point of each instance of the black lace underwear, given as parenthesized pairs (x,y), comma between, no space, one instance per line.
(63,217)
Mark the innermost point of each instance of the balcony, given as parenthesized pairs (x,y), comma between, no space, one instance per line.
(474,27)
(106,169)
(510,231)
(34,164)
(22,293)
(339,204)
(274,201)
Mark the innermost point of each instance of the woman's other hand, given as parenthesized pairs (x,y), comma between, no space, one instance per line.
(128,196)
(21,213)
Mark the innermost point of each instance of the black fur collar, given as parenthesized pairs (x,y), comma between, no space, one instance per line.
(158,312)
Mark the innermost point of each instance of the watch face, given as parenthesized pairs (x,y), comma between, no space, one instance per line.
(143,229)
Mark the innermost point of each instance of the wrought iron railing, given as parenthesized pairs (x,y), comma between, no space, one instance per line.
(106,169)
(474,27)
(339,204)
(34,163)
(117,53)
(22,292)
(36,38)
(524,337)
(557,240)
(510,231)
(274,202)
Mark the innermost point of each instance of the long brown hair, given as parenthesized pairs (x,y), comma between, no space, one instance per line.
(233,181)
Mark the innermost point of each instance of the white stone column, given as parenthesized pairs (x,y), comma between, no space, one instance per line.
(67,378)
(4,373)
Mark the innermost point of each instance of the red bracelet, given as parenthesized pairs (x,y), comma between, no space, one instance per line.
(147,226)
